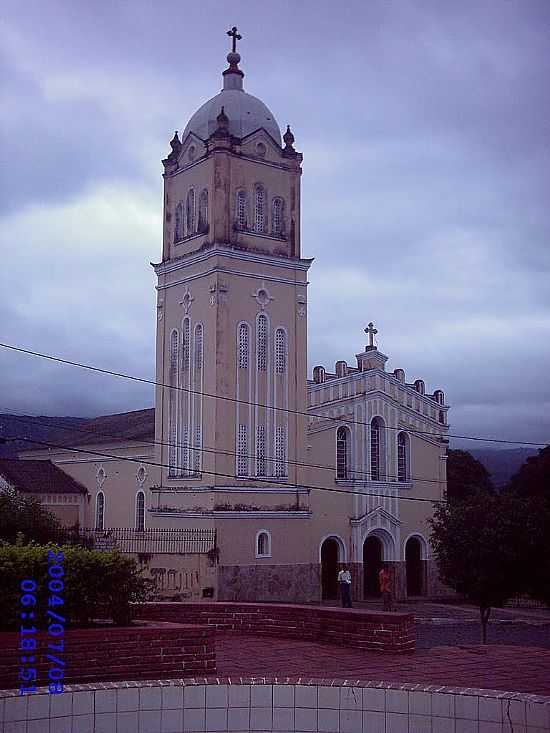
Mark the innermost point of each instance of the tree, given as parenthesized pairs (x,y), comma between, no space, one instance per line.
(480,550)
(466,476)
(533,478)
(24,517)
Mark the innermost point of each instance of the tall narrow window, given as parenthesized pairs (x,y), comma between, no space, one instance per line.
(242,451)
(262,343)
(243,345)
(173,401)
(190,212)
(263,544)
(185,449)
(178,229)
(260,451)
(198,347)
(280,351)
(342,450)
(241,210)
(186,338)
(203,212)
(277,217)
(376,449)
(173,356)
(259,209)
(280,451)
(402,457)
(197,452)
(100,511)
(140,511)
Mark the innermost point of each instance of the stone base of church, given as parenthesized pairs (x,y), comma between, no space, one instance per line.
(275,583)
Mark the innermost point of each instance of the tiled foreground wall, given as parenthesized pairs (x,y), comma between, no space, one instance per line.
(286,705)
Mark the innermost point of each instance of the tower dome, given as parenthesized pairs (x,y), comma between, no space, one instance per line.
(246,113)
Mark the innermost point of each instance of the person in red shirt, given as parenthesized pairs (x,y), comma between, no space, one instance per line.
(384,578)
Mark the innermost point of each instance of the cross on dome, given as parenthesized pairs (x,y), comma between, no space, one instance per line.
(372,331)
(234,37)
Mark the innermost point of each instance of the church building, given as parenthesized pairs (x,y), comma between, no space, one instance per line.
(292,476)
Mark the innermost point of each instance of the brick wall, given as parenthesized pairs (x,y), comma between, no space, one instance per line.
(385,632)
(115,653)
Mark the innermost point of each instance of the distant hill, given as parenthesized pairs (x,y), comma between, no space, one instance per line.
(503,464)
(47,429)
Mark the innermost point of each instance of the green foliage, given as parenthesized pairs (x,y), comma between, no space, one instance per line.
(533,478)
(466,476)
(97,585)
(25,517)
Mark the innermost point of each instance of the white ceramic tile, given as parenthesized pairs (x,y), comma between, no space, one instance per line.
(306,696)
(351,721)
(420,703)
(305,719)
(283,719)
(397,723)
(466,726)
(61,705)
(283,696)
(39,706)
(328,697)
(149,721)
(513,711)
(328,720)
(239,696)
(105,701)
(216,696)
(466,706)
(61,725)
(171,721)
(261,696)
(536,714)
(489,726)
(238,719)
(106,723)
(127,699)
(397,701)
(127,722)
(443,705)
(39,726)
(374,721)
(149,698)
(351,698)
(172,697)
(443,725)
(216,719)
(194,696)
(490,708)
(83,723)
(261,718)
(193,720)
(83,703)
(419,723)
(15,726)
(374,699)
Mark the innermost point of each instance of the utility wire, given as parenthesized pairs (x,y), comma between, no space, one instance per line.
(339,420)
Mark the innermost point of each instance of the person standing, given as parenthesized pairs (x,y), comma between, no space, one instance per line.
(384,578)
(344,581)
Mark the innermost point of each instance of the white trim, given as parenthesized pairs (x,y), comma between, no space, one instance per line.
(424,546)
(341,544)
(233,490)
(388,542)
(221,250)
(235,515)
(268,535)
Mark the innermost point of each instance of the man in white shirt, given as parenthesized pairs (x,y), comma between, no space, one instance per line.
(344,581)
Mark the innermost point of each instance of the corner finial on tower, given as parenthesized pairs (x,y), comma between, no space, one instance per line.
(233,76)
(288,139)
(222,128)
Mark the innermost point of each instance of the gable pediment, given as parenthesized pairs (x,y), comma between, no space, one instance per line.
(378,517)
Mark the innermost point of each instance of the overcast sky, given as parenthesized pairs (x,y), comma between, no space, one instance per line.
(426,188)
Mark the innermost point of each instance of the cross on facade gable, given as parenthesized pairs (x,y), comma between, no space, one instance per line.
(235,37)
(371,331)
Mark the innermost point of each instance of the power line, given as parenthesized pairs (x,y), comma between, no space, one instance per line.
(339,420)
(269,481)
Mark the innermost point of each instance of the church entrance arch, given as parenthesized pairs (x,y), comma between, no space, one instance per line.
(330,558)
(372,563)
(414,567)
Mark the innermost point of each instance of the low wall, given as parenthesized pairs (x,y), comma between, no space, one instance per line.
(115,653)
(378,631)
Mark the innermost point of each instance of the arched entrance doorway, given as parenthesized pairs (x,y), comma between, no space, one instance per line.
(372,562)
(415,570)
(329,569)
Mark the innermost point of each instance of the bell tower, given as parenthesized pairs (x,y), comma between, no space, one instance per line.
(232,302)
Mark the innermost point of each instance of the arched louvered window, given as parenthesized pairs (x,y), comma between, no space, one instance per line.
(263,543)
(178,229)
(243,345)
(280,351)
(173,356)
(342,453)
(241,210)
(259,209)
(100,510)
(173,403)
(203,212)
(140,511)
(190,212)
(402,457)
(185,344)
(377,442)
(198,346)
(260,451)
(261,327)
(277,217)
(280,451)
(242,451)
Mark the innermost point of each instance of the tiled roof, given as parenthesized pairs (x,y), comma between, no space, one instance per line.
(38,477)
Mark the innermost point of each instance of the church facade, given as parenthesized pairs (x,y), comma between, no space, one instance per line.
(295,475)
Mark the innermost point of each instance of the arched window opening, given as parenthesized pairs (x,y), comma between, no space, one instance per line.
(262,343)
(402,457)
(242,451)
(190,212)
(198,347)
(280,351)
(244,345)
(259,210)
(241,210)
(203,212)
(280,452)
(178,229)
(277,217)
(140,511)
(185,344)
(377,446)
(263,544)
(100,511)
(342,453)
(442,417)
(260,451)
(173,356)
